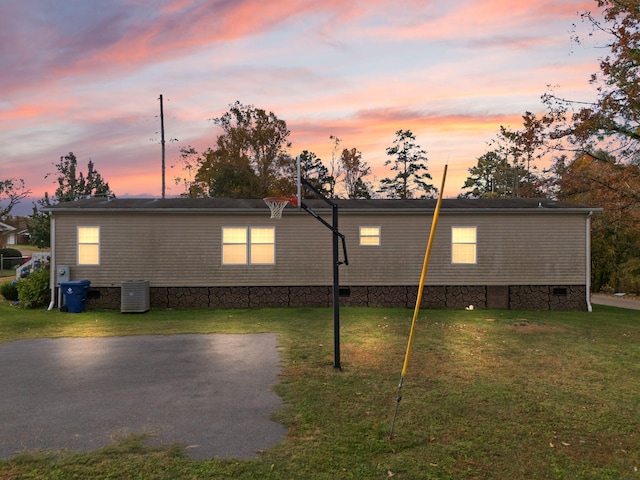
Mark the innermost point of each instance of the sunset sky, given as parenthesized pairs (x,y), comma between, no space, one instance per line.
(84,77)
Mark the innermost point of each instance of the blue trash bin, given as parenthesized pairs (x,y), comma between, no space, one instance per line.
(75,295)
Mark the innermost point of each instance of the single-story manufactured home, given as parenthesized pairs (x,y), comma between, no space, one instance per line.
(214,252)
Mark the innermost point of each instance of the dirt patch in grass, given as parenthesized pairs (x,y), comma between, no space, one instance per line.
(525,326)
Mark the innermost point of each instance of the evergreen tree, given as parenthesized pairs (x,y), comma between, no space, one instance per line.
(39,224)
(313,170)
(410,163)
(74,185)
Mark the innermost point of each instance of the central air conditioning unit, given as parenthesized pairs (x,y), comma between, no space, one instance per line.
(134,296)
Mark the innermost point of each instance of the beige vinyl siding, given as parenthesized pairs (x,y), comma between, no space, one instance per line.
(512,249)
(180,249)
(186,250)
(516,249)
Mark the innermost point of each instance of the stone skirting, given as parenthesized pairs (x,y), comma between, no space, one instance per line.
(562,297)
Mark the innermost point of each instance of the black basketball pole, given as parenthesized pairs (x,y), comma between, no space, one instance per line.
(162,141)
(336,289)
(336,263)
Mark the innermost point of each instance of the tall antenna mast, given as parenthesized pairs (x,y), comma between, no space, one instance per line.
(162,141)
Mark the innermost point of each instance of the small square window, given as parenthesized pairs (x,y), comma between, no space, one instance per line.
(370,236)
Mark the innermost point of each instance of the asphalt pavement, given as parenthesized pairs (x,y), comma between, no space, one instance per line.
(210,393)
(631,303)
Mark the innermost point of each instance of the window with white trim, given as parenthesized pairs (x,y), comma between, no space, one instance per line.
(248,246)
(88,245)
(370,236)
(463,245)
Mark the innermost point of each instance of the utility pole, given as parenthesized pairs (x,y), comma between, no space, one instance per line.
(162,142)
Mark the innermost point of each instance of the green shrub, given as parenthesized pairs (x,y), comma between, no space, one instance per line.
(33,290)
(9,291)
(11,258)
(629,276)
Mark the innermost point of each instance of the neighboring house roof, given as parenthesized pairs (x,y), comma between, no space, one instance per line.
(19,223)
(222,205)
(6,228)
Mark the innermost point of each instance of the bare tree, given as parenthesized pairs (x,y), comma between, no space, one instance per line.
(12,191)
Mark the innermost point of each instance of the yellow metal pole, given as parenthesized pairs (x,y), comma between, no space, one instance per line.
(416,310)
(425,264)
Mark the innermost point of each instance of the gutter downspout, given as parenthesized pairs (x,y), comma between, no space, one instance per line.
(588,261)
(52,264)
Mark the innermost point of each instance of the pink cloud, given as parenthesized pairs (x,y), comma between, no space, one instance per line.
(483,23)
(121,38)
(129,38)
(22,112)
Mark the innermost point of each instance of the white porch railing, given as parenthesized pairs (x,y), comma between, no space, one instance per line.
(37,260)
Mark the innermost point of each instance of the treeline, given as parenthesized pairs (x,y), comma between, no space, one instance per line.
(251,159)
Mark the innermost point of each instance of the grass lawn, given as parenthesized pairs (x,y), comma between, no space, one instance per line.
(488,395)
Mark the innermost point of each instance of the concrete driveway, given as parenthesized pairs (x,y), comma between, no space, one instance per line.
(210,393)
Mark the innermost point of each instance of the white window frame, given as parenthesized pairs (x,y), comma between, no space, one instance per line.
(250,245)
(466,246)
(370,236)
(92,247)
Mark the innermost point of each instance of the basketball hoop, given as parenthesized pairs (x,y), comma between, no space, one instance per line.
(277,204)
